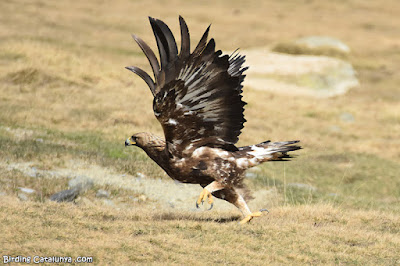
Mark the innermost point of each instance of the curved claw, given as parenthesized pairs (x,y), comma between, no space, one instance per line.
(203,196)
(198,206)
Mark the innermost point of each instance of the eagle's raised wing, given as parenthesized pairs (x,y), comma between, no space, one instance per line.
(196,95)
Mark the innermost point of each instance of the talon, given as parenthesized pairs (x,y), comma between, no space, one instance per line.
(203,196)
(210,200)
(249,217)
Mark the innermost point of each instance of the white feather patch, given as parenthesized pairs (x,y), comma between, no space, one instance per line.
(242,162)
(221,153)
(199,151)
(172,122)
(258,152)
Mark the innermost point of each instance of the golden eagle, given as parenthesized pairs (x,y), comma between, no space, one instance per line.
(197,100)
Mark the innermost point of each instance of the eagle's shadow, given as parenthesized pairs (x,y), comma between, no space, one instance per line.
(170,216)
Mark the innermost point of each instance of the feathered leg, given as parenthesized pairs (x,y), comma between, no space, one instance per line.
(233,196)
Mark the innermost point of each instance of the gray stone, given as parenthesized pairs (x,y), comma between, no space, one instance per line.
(82,183)
(26,190)
(24,193)
(101,193)
(23,196)
(347,117)
(65,195)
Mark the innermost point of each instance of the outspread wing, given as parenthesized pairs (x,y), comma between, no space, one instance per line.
(197,96)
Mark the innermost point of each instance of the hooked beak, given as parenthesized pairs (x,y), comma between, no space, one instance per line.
(129,142)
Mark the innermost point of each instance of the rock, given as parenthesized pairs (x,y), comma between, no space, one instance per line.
(102,194)
(313,45)
(302,186)
(65,195)
(316,76)
(24,193)
(347,117)
(323,42)
(26,190)
(23,197)
(81,183)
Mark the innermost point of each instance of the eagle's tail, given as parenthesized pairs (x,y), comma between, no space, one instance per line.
(265,151)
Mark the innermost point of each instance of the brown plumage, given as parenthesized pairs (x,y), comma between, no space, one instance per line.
(197,100)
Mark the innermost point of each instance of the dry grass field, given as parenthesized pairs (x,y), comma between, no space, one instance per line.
(67,103)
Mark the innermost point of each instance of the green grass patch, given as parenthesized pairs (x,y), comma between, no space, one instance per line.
(359,180)
(52,147)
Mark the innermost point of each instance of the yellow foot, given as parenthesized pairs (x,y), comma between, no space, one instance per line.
(252,215)
(203,196)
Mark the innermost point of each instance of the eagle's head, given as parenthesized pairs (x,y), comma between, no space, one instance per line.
(139,139)
(144,140)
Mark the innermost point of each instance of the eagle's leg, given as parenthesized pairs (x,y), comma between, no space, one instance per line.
(206,193)
(241,204)
(252,215)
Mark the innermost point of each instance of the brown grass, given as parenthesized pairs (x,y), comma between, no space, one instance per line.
(308,234)
(65,95)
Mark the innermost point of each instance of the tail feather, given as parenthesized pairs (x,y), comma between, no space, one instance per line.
(250,156)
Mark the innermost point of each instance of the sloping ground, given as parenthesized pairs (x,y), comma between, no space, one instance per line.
(317,234)
(162,193)
(67,105)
